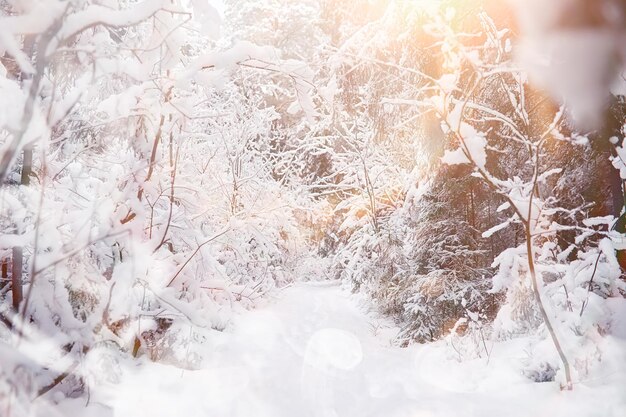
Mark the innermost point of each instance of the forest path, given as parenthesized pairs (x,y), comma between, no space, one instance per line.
(315,353)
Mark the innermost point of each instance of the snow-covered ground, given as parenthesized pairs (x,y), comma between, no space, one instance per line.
(315,352)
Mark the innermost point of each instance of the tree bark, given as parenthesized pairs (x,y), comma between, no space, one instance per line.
(4,273)
(544,314)
(16,278)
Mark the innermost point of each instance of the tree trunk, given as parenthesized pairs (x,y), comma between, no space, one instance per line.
(27,165)
(16,278)
(4,273)
(544,314)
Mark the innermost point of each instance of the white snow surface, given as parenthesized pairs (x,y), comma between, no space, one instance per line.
(315,351)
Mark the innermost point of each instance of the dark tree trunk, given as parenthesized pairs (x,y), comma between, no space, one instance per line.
(16,278)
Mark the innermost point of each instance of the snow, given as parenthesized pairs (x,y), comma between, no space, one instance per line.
(495,229)
(265,58)
(99,15)
(316,352)
(188,182)
(597,221)
(474,146)
(448,83)
(472,149)
(455,157)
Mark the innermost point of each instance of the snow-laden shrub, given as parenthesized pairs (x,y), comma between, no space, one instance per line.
(576,294)
(423,267)
(152,206)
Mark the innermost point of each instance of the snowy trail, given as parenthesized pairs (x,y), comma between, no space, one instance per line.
(315,353)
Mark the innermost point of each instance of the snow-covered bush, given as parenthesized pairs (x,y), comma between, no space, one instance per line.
(502,237)
(138,195)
